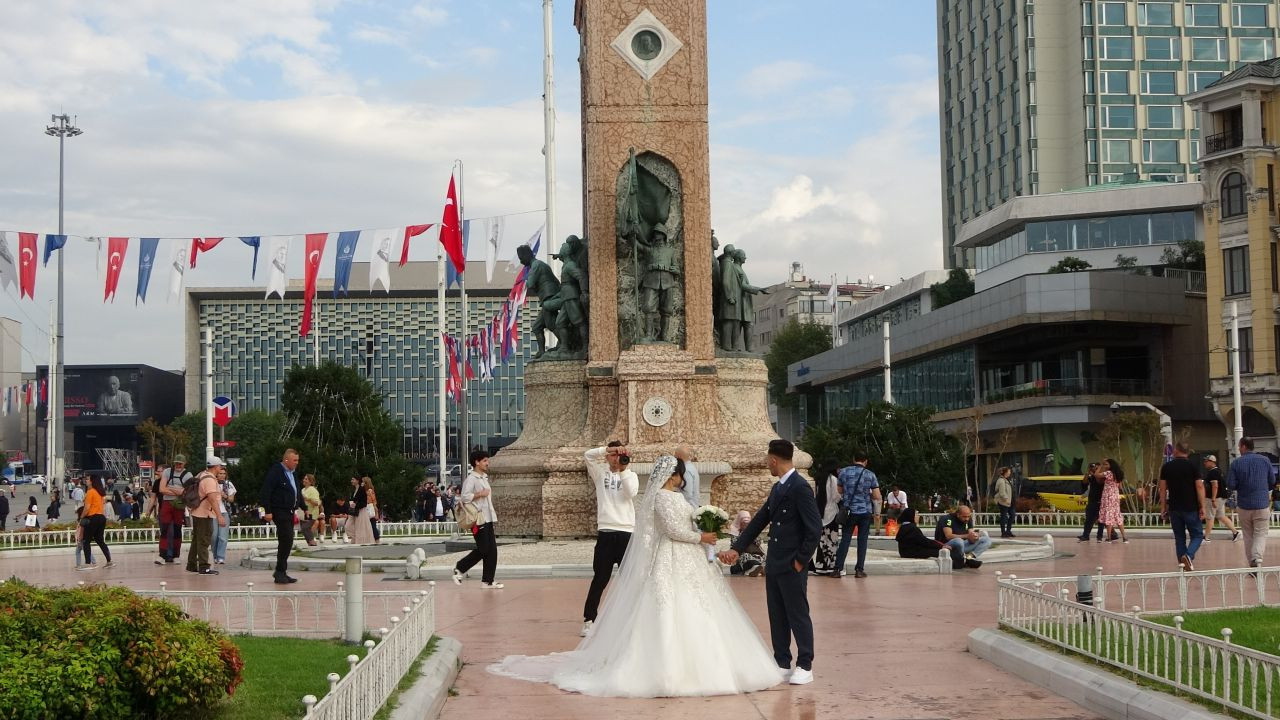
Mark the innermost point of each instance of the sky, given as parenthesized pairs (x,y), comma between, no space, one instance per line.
(242,117)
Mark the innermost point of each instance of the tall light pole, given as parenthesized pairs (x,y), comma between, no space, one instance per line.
(62,129)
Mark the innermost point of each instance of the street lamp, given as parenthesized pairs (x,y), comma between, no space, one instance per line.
(62,129)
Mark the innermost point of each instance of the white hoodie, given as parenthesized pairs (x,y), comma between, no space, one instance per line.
(615,493)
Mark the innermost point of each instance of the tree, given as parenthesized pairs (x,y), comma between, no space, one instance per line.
(188,438)
(1069,264)
(1189,255)
(903,446)
(151,434)
(336,422)
(1134,440)
(253,428)
(793,343)
(957,286)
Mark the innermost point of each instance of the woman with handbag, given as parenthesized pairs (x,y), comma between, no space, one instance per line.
(476,515)
(359,529)
(372,507)
(833,519)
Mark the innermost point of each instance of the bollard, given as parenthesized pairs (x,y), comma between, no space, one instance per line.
(354,629)
(944,561)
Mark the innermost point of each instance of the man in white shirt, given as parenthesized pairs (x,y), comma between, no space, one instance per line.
(616,490)
(897,502)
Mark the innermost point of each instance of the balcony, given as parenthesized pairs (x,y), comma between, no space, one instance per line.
(1068,388)
(1224,141)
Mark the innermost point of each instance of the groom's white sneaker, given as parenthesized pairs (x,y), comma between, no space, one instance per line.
(800,676)
(586,629)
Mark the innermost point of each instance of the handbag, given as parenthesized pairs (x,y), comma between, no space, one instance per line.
(468,516)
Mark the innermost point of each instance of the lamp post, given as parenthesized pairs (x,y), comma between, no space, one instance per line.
(62,129)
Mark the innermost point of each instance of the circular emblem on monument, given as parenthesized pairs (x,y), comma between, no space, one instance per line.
(646,44)
(657,411)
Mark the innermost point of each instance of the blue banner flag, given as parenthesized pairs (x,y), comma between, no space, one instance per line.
(347,242)
(146,260)
(51,243)
(451,275)
(253,241)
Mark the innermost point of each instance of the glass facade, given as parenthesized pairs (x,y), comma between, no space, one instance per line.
(874,324)
(1116,231)
(391,341)
(943,382)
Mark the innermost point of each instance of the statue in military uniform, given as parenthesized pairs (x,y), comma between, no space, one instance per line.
(571,320)
(541,282)
(660,284)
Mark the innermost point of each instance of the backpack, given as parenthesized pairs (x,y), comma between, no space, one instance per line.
(191,491)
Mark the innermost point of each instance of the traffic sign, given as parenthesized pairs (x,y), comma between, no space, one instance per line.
(224,409)
(224,443)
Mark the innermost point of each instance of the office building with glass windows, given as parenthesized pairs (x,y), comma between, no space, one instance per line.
(1039,97)
(1033,360)
(390,338)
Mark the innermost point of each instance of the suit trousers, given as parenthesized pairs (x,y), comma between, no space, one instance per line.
(611,545)
(786,594)
(284,539)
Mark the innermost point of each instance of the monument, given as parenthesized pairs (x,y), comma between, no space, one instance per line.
(646,353)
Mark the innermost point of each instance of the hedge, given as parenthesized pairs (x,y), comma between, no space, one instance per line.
(104,652)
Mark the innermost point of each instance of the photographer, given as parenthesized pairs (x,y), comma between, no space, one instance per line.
(1092,483)
(616,489)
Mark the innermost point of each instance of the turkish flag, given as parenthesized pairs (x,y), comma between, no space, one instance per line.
(27,264)
(411,231)
(199,245)
(451,230)
(315,249)
(117,247)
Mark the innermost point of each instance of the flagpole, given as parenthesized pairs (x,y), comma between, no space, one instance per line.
(442,397)
(48,401)
(464,415)
(207,333)
(549,130)
(63,130)
(835,315)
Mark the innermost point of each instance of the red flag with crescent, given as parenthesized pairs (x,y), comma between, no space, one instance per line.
(116,249)
(27,264)
(451,230)
(410,232)
(199,245)
(315,249)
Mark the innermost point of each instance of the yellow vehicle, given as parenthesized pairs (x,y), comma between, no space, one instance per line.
(1064,492)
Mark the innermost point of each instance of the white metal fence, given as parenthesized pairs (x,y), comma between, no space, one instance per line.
(373,678)
(1237,678)
(1055,519)
(136,536)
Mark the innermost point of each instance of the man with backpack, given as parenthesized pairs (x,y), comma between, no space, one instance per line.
(172,513)
(859,492)
(203,497)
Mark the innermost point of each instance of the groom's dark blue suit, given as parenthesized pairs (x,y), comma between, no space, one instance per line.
(791,512)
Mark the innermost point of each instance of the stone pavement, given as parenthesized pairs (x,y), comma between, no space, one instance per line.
(887,647)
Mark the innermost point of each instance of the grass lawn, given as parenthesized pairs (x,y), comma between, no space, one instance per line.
(1257,628)
(279,671)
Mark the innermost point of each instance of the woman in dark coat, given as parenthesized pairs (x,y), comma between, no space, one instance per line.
(912,543)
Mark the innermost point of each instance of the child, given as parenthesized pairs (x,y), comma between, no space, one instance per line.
(80,565)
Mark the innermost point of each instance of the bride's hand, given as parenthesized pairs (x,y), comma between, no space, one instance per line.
(709,538)
(728,557)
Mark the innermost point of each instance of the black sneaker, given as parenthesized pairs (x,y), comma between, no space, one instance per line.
(208,571)
(973,563)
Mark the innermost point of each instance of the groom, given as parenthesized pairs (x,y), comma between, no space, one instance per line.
(791,512)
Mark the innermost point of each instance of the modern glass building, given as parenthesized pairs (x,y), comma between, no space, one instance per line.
(1038,97)
(390,338)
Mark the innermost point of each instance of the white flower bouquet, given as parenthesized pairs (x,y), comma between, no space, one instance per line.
(710,518)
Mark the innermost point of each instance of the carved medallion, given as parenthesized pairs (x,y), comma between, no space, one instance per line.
(657,411)
(647,44)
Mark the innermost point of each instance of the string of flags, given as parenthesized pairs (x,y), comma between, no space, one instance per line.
(26,395)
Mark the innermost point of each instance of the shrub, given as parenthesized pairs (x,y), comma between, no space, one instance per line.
(111,653)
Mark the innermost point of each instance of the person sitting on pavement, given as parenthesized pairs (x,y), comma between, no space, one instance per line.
(750,562)
(913,544)
(956,529)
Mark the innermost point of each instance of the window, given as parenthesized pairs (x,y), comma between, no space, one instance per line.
(1160,151)
(1200,80)
(1235,270)
(1203,48)
(1245,351)
(1194,145)
(1116,151)
(1248,15)
(1163,48)
(1160,83)
(1114,82)
(1155,14)
(1164,117)
(1231,197)
(1091,150)
(1117,116)
(1118,48)
(1203,15)
(1111,13)
(1167,177)
(1088,83)
(1256,49)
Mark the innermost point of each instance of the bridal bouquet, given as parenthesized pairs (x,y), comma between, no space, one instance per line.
(710,518)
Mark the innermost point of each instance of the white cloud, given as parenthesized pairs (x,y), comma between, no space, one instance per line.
(430,12)
(783,76)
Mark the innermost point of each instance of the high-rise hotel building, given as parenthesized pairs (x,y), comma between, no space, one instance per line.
(1038,97)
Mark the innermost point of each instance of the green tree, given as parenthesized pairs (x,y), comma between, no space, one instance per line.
(1189,255)
(336,422)
(151,434)
(1069,264)
(187,437)
(252,428)
(793,343)
(903,446)
(957,286)
(1130,263)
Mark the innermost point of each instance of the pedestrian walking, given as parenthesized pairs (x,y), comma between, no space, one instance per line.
(281,495)
(1215,501)
(1182,503)
(168,497)
(95,523)
(1252,478)
(479,494)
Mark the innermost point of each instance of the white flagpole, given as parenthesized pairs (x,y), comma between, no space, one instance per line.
(549,130)
(207,332)
(464,419)
(442,400)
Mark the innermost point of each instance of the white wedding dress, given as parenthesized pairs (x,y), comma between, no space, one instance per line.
(670,626)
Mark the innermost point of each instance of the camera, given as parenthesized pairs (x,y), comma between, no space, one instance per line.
(624,460)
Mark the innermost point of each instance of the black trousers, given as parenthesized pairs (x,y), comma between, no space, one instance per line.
(1006,519)
(1091,511)
(611,545)
(284,539)
(786,594)
(486,550)
(95,532)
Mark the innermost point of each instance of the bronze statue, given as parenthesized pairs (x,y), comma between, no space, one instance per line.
(717,290)
(649,238)
(541,282)
(571,320)
(661,281)
(737,310)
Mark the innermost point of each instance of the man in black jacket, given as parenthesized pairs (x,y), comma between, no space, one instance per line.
(281,495)
(913,544)
(1092,483)
(791,512)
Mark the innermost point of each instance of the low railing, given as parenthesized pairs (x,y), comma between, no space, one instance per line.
(236,533)
(1070,387)
(1236,678)
(1167,592)
(373,678)
(303,613)
(1220,142)
(1055,519)
(1194,280)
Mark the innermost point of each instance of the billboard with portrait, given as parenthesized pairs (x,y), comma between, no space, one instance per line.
(101,394)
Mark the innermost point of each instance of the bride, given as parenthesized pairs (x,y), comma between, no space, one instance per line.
(670,625)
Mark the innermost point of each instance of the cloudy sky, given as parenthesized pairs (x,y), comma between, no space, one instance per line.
(242,117)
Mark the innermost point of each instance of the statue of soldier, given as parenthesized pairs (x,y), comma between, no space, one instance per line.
(660,284)
(571,321)
(737,310)
(541,282)
(717,290)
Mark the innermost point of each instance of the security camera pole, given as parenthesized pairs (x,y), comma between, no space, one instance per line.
(54,409)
